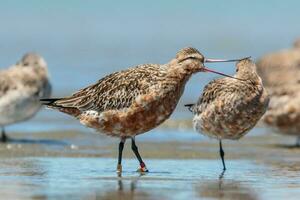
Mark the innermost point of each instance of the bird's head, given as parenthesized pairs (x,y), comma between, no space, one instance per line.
(246,70)
(32,60)
(192,61)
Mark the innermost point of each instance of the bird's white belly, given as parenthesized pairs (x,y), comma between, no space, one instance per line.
(17,106)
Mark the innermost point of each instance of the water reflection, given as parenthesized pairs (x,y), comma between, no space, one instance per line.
(225,189)
(93,178)
(20,179)
(125,190)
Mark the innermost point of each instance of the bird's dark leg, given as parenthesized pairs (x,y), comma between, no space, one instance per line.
(222,154)
(298,142)
(4,138)
(137,154)
(121,147)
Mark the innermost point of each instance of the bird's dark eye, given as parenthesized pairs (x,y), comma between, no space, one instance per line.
(25,63)
(237,69)
(192,57)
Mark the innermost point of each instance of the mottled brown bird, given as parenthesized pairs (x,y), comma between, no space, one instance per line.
(131,102)
(280,72)
(229,108)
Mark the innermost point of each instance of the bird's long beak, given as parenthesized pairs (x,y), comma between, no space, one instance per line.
(205,69)
(208,60)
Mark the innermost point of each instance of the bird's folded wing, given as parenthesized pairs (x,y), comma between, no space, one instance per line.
(213,90)
(115,91)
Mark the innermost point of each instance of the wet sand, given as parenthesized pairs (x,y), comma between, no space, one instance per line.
(182,164)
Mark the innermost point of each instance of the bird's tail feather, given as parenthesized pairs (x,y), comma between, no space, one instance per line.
(52,103)
(190,106)
(49,102)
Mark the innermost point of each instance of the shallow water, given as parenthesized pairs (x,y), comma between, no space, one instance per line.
(94,178)
(82,166)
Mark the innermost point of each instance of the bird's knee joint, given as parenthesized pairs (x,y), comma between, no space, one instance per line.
(134,148)
(222,153)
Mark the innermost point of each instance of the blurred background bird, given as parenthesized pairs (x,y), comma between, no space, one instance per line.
(21,87)
(228,108)
(280,72)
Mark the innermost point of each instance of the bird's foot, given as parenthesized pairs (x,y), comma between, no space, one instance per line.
(222,174)
(143,168)
(119,169)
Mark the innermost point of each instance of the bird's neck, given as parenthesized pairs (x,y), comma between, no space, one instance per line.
(179,73)
(251,76)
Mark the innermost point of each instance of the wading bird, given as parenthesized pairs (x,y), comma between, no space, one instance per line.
(131,102)
(228,108)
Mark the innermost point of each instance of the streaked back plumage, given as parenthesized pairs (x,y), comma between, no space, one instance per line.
(132,101)
(115,91)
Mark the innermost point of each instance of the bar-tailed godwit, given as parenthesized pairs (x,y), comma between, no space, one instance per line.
(131,102)
(229,108)
(21,87)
